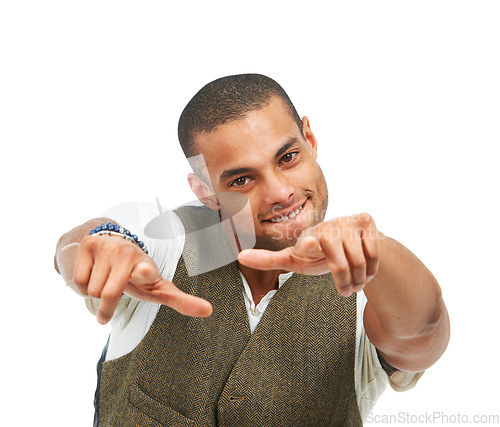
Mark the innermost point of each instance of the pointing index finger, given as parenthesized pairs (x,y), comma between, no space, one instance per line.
(165,292)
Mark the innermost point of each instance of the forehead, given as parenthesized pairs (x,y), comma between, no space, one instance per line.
(248,142)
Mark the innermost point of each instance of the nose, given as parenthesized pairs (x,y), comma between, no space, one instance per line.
(278,190)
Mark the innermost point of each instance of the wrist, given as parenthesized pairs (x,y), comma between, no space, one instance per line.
(117,230)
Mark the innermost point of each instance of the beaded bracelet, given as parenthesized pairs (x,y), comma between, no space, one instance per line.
(117,230)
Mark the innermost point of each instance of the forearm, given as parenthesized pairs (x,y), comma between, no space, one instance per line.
(405,317)
(404,294)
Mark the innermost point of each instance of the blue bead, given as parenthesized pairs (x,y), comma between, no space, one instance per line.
(92,232)
(111,226)
(104,226)
(141,244)
(135,237)
(146,252)
(97,228)
(117,228)
(126,232)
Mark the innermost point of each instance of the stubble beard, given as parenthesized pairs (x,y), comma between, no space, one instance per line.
(282,240)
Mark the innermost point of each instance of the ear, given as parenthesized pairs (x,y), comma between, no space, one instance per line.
(309,136)
(203,192)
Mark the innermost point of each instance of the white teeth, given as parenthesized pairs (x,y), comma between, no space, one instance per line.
(289,216)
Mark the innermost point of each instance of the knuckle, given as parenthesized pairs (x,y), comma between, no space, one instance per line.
(79,279)
(365,218)
(341,277)
(144,271)
(111,293)
(331,232)
(358,283)
(144,268)
(344,289)
(128,250)
(87,244)
(93,293)
(340,268)
(343,286)
(359,264)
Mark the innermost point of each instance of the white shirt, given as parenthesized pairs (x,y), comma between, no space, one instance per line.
(132,318)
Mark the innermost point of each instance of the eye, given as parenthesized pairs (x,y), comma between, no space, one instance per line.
(239,182)
(288,157)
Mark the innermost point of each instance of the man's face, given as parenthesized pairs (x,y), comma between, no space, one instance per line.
(265,157)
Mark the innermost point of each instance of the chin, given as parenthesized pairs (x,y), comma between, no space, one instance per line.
(276,243)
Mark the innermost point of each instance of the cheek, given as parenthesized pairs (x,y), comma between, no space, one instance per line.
(255,204)
(323,192)
(308,174)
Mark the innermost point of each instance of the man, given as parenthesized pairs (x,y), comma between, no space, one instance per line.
(282,336)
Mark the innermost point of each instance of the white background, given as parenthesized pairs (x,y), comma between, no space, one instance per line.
(404,98)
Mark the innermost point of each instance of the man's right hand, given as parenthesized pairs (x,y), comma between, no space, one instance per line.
(108,266)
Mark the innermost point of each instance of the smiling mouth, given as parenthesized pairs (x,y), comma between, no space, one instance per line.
(289,216)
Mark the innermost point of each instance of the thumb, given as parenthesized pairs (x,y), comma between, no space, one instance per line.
(262,259)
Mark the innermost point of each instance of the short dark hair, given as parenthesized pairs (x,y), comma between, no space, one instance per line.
(226,99)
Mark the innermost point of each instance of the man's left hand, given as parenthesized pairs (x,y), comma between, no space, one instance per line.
(348,247)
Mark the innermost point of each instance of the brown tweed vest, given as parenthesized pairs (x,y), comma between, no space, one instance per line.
(296,369)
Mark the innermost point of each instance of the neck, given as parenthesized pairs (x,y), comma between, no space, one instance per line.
(259,281)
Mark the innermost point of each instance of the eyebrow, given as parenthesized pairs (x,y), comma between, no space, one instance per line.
(237,171)
(232,172)
(291,141)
